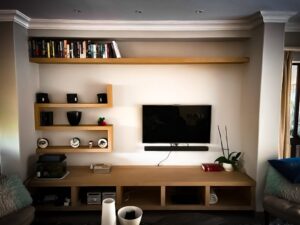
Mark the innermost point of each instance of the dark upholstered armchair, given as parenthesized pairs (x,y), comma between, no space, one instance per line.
(282,191)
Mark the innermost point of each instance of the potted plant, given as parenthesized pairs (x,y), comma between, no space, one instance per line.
(229,160)
(101,121)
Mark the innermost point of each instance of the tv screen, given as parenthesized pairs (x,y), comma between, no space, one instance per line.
(176,123)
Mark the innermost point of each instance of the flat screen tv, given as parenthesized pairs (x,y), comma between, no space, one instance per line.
(176,123)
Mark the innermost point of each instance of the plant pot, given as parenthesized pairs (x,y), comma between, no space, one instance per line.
(227,167)
(130,215)
(74,117)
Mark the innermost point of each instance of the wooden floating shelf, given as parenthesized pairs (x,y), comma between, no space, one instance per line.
(86,127)
(149,60)
(68,149)
(73,105)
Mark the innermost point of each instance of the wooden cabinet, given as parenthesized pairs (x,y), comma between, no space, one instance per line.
(39,107)
(157,188)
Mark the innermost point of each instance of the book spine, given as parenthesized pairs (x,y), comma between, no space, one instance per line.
(61,49)
(52,49)
(68,51)
(94,51)
(48,50)
(105,55)
(83,53)
(71,50)
(44,47)
(65,48)
(89,51)
(116,49)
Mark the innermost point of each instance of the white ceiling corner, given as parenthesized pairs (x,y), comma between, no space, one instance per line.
(277,16)
(15,16)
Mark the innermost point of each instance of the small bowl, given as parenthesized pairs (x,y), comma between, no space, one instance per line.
(137,219)
(74,117)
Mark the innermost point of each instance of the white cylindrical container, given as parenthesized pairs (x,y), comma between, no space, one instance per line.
(138,212)
(108,212)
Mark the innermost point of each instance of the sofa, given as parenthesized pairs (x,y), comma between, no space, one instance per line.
(282,191)
(23,216)
(281,208)
(15,202)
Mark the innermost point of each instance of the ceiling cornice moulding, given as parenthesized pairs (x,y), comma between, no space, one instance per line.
(276,16)
(129,25)
(153,25)
(132,25)
(292,27)
(15,16)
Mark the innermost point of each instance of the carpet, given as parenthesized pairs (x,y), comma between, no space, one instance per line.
(158,218)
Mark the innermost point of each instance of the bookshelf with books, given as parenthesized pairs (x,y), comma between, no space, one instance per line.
(72,48)
(50,50)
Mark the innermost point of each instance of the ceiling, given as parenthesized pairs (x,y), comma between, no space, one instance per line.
(149,9)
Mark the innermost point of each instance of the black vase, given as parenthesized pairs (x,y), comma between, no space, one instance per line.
(74,117)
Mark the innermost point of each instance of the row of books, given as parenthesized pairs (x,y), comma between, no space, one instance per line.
(46,48)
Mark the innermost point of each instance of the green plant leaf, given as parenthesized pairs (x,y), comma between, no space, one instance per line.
(237,156)
(222,159)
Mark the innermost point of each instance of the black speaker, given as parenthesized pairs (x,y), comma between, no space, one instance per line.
(42,98)
(102,98)
(46,118)
(72,98)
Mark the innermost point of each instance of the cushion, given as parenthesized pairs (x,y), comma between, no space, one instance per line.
(289,168)
(278,185)
(13,195)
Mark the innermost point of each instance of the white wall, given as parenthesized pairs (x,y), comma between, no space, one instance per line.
(269,106)
(250,101)
(9,142)
(18,84)
(134,85)
(27,85)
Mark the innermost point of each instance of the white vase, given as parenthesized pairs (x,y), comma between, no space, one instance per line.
(227,167)
(108,212)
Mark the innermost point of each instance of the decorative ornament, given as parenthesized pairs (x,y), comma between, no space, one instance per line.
(101,121)
(75,142)
(102,143)
(42,143)
(90,144)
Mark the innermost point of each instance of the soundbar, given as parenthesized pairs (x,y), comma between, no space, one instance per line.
(176,148)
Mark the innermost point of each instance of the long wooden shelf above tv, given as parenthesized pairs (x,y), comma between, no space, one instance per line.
(144,60)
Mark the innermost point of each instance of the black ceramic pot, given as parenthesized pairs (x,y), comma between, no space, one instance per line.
(74,117)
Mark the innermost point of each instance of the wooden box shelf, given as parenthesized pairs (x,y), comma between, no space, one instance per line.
(185,195)
(145,197)
(154,188)
(108,129)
